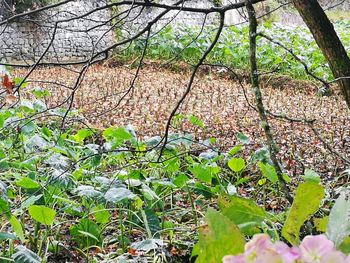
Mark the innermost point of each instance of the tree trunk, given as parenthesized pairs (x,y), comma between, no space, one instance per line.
(328,41)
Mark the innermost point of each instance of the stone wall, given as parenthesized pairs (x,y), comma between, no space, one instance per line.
(26,39)
(75,40)
(139,17)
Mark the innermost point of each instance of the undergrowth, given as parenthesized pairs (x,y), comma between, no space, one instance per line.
(187,44)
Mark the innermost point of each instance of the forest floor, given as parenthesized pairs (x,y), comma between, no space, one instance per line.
(219,101)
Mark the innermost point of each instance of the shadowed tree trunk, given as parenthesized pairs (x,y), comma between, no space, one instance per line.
(328,41)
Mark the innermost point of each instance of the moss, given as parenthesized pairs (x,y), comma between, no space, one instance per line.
(217,3)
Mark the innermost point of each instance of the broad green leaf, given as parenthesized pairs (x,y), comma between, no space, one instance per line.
(115,195)
(169,226)
(195,121)
(345,246)
(116,133)
(101,214)
(321,224)
(286,178)
(6,236)
(30,201)
(25,255)
(42,214)
(80,230)
(87,191)
(235,150)
(4,208)
(180,180)
(28,127)
(218,238)
(202,172)
(236,164)
(17,228)
(242,138)
(338,227)
(306,202)
(87,234)
(311,176)
(243,212)
(148,245)
(268,171)
(27,183)
(82,134)
(152,222)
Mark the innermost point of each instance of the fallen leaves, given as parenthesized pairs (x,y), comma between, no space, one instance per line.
(8,86)
(217,101)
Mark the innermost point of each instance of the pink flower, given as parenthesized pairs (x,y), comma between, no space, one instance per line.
(314,248)
(334,257)
(289,254)
(256,246)
(234,259)
(258,243)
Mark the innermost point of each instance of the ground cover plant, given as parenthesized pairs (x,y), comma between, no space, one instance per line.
(104,193)
(185,43)
(189,144)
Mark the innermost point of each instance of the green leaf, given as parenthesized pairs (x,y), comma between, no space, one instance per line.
(82,134)
(79,233)
(115,195)
(28,127)
(30,201)
(148,245)
(101,214)
(306,202)
(95,160)
(311,176)
(25,255)
(40,93)
(27,183)
(202,172)
(87,234)
(268,171)
(42,214)
(180,180)
(218,238)
(6,236)
(345,246)
(242,138)
(243,212)
(17,228)
(116,133)
(195,121)
(153,222)
(286,178)
(236,164)
(235,150)
(4,208)
(338,227)
(321,224)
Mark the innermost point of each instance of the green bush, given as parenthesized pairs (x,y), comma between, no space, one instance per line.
(186,44)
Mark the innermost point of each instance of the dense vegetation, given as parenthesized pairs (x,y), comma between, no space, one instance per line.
(70,192)
(188,43)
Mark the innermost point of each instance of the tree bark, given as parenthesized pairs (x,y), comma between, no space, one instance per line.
(328,41)
(254,75)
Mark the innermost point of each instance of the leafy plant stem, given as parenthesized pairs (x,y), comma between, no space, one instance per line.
(194,211)
(145,221)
